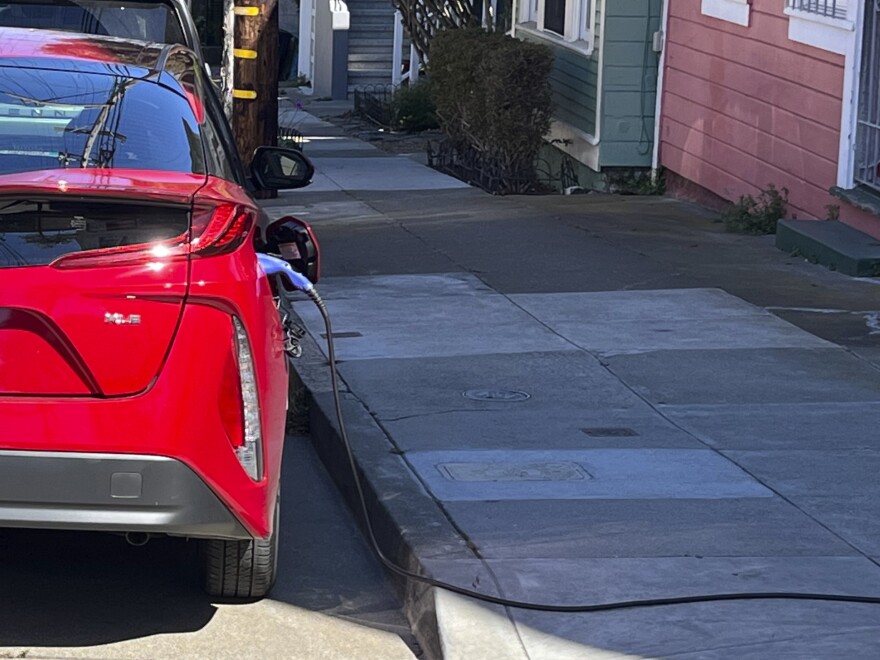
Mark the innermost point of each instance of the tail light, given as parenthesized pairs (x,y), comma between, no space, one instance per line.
(219,229)
(214,229)
(240,404)
(231,408)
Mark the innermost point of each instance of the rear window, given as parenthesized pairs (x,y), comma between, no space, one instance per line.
(146,21)
(60,119)
(35,232)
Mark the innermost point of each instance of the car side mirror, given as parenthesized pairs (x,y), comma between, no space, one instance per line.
(277,168)
(295,242)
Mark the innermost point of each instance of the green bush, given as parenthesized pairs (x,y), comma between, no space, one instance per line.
(412,108)
(757,216)
(492,94)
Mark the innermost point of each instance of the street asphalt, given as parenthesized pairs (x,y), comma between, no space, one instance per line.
(588,399)
(91,596)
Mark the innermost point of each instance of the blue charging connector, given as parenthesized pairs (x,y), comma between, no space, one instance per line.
(273,266)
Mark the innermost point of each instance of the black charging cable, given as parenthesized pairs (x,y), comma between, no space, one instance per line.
(540,607)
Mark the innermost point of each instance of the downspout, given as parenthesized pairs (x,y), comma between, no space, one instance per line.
(849,99)
(661,77)
(306,42)
(600,89)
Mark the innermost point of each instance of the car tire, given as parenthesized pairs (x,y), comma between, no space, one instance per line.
(241,570)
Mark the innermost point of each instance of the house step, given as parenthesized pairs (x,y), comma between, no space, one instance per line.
(357,42)
(360,10)
(369,77)
(370,65)
(832,244)
(370,69)
(383,20)
(369,37)
(369,55)
(378,51)
(356,5)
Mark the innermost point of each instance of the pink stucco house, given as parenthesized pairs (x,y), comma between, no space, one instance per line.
(787,92)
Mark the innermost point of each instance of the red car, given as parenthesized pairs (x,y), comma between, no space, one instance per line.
(143,383)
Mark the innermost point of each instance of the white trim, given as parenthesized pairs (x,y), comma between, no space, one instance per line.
(661,80)
(397,49)
(600,77)
(831,34)
(572,11)
(579,46)
(732,11)
(490,13)
(849,110)
(530,18)
(306,39)
(581,146)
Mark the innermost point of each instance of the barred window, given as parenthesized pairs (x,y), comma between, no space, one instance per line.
(828,8)
(867,165)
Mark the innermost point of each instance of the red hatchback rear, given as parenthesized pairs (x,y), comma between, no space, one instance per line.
(143,384)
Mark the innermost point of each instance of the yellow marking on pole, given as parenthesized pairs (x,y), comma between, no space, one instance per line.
(244,94)
(246,11)
(244,53)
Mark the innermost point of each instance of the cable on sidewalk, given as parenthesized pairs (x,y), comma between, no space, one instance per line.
(507,602)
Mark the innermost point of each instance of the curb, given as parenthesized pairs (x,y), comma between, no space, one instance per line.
(407,521)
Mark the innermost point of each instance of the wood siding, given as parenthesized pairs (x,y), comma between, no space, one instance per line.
(574,80)
(629,82)
(744,107)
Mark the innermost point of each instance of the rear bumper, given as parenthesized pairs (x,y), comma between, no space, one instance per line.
(111,493)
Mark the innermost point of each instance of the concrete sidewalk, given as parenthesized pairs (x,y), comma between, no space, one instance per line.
(581,400)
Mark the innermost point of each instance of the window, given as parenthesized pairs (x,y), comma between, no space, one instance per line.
(554,16)
(828,8)
(567,22)
(68,119)
(824,24)
(732,11)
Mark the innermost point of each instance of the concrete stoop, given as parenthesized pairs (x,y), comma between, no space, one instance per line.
(832,244)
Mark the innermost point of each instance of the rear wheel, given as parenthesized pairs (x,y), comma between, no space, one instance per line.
(241,569)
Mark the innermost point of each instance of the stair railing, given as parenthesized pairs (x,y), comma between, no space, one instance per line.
(415,61)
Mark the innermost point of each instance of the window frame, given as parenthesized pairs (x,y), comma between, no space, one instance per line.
(820,31)
(579,14)
(732,11)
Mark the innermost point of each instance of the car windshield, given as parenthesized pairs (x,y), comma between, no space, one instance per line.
(60,119)
(145,21)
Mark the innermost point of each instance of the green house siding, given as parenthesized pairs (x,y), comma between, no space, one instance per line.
(574,81)
(575,90)
(629,81)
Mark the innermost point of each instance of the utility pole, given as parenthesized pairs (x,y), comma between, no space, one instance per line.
(252,87)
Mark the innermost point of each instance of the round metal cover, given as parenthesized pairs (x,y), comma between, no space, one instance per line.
(496,395)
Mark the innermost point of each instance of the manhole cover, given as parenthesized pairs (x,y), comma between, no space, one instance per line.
(558,471)
(610,432)
(496,395)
